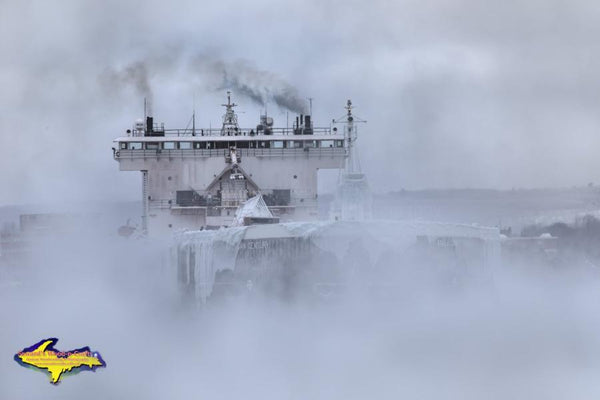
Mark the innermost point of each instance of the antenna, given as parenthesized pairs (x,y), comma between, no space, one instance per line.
(194,115)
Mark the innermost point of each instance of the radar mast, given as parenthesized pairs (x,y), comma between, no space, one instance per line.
(351,135)
(230,122)
(353,197)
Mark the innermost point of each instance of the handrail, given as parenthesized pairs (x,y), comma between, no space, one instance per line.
(262,152)
(299,202)
(241,132)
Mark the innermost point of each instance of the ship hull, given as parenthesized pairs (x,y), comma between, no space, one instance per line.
(327,260)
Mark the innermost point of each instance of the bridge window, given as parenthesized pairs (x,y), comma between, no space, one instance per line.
(169,145)
(339,143)
(123,145)
(294,144)
(327,143)
(185,145)
(263,144)
(311,143)
(135,145)
(277,144)
(152,146)
(278,197)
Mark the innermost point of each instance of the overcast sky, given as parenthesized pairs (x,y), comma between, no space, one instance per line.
(456,93)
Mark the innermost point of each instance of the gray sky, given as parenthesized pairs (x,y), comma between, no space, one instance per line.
(457,93)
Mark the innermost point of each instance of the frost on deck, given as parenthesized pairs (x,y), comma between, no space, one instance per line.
(353,200)
(254,207)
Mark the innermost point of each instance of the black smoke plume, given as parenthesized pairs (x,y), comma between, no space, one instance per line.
(135,75)
(244,79)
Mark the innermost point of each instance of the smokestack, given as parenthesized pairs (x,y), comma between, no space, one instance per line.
(147,107)
(149,126)
(297,123)
(301,119)
(307,126)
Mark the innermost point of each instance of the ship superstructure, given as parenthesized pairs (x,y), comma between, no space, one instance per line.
(197,178)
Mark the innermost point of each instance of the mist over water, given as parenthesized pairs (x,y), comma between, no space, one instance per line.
(457,94)
(527,333)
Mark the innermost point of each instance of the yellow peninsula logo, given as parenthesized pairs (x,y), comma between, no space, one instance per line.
(44,357)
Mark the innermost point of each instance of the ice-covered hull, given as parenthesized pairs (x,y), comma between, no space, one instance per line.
(324,258)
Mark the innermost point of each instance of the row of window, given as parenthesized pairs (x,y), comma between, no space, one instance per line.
(261,144)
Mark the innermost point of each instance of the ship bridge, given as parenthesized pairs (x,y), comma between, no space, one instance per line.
(196,178)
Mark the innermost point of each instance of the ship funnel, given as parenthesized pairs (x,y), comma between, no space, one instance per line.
(147,107)
(149,126)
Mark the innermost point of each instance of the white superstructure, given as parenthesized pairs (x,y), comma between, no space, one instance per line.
(197,178)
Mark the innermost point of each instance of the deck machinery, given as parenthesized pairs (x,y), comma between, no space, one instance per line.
(195,181)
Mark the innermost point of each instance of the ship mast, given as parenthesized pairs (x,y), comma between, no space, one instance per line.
(230,123)
(351,135)
(353,198)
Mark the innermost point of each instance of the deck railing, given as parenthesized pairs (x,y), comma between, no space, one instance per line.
(299,202)
(240,132)
(193,153)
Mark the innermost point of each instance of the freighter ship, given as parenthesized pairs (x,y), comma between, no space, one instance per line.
(241,206)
